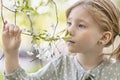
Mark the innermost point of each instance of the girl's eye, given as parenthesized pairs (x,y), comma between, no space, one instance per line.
(69,23)
(82,26)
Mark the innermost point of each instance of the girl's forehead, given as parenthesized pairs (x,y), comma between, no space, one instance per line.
(80,13)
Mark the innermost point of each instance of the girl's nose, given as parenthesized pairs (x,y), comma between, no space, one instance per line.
(71,30)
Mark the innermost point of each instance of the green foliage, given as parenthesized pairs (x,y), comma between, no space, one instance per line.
(25,7)
(1,76)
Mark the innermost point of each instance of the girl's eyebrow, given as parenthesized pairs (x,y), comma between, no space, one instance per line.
(80,20)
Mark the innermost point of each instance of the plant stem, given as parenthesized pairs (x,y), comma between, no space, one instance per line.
(56,12)
(2,12)
(8,9)
(31,25)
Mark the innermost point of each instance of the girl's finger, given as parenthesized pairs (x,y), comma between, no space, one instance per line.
(16,30)
(5,22)
(4,25)
(5,32)
(11,29)
(18,36)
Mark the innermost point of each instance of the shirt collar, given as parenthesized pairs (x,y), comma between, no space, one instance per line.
(94,72)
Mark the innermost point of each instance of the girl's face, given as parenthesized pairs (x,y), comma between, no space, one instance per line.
(84,31)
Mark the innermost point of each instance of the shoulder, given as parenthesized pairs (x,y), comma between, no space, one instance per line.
(114,63)
(117,63)
(110,71)
(113,67)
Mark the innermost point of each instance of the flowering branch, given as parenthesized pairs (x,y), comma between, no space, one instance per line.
(27,9)
(56,11)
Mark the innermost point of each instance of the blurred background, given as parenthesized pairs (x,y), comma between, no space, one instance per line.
(36,17)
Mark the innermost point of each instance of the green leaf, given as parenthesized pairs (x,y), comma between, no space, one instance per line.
(41,3)
(66,38)
(36,40)
(18,2)
(67,33)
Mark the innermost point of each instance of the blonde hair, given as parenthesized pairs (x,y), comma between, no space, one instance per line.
(106,15)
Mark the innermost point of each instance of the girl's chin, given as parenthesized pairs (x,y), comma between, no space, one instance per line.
(73,54)
(72,51)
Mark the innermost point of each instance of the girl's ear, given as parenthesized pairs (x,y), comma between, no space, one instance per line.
(106,37)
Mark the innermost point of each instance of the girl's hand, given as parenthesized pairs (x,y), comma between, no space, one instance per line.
(11,37)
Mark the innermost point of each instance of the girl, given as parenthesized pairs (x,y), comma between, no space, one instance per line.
(92,25)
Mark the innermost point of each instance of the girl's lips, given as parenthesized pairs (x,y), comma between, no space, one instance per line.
(70,41)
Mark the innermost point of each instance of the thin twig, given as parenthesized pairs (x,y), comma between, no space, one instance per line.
(2,21)
(34,59)
(56,47)
(56,12)
(29,34)
(15,12)
(2,12)
(31,24)
(15,16)
(8,9)
(2,56)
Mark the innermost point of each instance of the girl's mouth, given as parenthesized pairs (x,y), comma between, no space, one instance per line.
(70,42)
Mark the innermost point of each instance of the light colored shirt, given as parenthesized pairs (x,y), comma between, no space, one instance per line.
(68,68)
